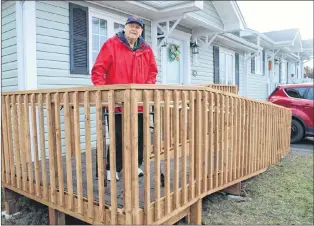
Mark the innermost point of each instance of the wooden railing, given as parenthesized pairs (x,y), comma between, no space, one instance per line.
(212,140)
(225,88)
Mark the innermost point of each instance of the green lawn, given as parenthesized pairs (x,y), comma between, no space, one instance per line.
(281,195)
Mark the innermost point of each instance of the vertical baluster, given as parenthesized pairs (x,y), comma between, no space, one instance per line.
(68,143)
(5,141)
(157,152)
(51,140)
(16,141)
(226,140)
(126,158)
(59,149)
(211,140)
(167,121)
(205,140)
(28,145)
(183,121)
(192,141)
(217,137)
(198,146)
(10,140)
(89,163)
(78,153)
(147,153)
(221,140)
(175,120)
(35,142)
(42,146)
(134,162)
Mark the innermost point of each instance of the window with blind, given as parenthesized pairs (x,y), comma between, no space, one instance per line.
(89,29)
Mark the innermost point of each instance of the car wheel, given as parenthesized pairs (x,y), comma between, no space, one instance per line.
(297,131)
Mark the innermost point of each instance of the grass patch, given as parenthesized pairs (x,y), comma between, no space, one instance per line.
(281,195)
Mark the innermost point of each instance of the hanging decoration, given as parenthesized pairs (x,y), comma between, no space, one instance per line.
(174,52)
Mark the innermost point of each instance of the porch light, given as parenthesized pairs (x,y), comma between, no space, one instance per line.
(195,48)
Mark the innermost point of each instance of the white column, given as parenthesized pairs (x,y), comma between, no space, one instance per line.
(187,64)
(29,38)
(154,38)
(29,56)
(302,69)
(20,44)
(246,71)
(283,74)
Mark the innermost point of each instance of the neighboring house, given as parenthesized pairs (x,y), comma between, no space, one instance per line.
(280,61)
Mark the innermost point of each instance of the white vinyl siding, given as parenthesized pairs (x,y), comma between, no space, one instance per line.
(208,15)
(9,77)
(204,68)
(257,85)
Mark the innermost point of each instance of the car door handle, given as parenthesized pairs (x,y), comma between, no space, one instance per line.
(306,105)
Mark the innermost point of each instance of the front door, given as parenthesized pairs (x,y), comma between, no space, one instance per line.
(174,63)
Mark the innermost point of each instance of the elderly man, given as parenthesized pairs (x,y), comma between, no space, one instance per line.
(123,59)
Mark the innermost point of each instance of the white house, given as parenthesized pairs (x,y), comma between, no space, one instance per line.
(280,61)
(53,44)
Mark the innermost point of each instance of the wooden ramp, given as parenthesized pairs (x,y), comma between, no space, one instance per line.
(201,138)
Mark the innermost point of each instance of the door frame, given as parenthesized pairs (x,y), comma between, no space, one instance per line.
(185,37)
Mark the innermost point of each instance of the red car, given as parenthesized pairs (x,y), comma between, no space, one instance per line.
(300,99)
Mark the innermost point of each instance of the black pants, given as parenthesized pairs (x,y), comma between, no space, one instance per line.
(119,145)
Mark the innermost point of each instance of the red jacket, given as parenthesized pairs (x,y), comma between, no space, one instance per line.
(117,63)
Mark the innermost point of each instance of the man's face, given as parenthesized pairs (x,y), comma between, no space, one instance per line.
(133,31)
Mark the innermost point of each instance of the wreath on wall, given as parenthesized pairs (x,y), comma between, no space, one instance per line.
(174,52)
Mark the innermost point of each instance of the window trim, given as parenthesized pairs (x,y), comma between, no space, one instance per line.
(230,52)
(260,63)
(110,18)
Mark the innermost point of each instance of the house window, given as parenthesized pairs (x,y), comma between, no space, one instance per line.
(226,67)
(102,26)
(89,30)
(99,36)
(257,63)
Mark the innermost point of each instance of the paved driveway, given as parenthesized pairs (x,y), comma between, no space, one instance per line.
(304,146)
